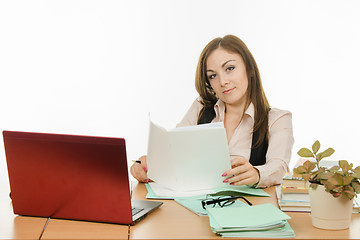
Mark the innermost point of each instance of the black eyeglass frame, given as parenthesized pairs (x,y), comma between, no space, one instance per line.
(222,202)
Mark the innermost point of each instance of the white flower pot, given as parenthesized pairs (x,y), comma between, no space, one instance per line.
(328,212)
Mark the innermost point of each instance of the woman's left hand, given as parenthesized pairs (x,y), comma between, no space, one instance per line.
(241,173)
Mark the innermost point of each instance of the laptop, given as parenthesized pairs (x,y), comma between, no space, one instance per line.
(71,177)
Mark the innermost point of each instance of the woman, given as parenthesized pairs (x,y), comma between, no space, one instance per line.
(260,138)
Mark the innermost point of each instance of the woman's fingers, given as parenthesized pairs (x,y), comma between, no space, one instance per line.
(139,170)
(242,173)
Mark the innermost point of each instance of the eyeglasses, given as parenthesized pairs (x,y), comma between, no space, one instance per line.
(222,201)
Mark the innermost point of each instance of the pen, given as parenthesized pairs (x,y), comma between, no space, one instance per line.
(137,161)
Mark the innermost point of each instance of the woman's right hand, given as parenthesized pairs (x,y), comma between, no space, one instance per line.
(139,170)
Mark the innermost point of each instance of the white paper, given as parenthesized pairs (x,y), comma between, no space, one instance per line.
(162,191)
(188,159)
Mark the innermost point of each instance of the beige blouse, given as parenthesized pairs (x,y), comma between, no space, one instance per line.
(280,139)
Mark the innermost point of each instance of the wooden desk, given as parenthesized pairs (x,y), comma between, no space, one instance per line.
(170,221)
(13,226)
(173,221)
(69,229)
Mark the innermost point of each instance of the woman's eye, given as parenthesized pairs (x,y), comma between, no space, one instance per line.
(212,76)
(230,68)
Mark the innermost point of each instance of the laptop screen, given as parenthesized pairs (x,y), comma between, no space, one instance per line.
(67,176)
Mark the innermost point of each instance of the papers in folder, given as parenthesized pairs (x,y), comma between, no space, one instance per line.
(188,158)
(261,221)
(156,191)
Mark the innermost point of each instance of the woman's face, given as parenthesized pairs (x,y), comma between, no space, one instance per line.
(227,76)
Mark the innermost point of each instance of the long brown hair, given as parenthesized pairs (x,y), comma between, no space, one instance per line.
(255,91)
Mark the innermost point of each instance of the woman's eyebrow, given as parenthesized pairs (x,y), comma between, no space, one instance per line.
(227,62)
(223,65)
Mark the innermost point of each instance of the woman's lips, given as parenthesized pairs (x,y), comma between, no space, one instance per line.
(228,91)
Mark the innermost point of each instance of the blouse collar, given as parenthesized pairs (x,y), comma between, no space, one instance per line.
(219,108)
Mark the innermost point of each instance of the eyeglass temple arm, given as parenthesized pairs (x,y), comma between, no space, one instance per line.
(208,202)
(247,201)
(236,197)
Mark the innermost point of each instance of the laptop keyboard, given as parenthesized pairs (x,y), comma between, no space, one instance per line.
(136,210)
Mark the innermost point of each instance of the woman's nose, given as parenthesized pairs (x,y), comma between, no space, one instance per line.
(223,80)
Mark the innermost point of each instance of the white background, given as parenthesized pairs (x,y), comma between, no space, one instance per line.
(99,67)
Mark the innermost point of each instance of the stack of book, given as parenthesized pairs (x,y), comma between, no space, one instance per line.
(293,194)
(292,184)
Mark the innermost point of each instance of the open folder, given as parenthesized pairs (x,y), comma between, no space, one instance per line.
(188,158)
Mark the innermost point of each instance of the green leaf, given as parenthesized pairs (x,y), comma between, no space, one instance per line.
(344,165)
(356,173)
(326,175)
(347,180)
(327,153)
(318,157)
(334,169)
(316,175)
(300,170)
(316,147)
(337,179)
(348,188)
(304,152)
(306,177)
(356,186)
(329,186)
(309,165)
(349,194)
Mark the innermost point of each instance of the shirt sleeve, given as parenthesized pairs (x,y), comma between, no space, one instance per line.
(279,150)
(191,116)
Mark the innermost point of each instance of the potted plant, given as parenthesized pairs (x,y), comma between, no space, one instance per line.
(331,189)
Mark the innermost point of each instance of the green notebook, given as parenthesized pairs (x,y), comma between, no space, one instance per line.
(264,220)
(232,217)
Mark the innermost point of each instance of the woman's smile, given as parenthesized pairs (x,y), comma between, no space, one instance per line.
(228,91)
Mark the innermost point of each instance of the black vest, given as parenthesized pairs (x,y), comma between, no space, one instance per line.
(257,155)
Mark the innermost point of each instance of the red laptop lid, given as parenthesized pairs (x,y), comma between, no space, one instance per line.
(67,176)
